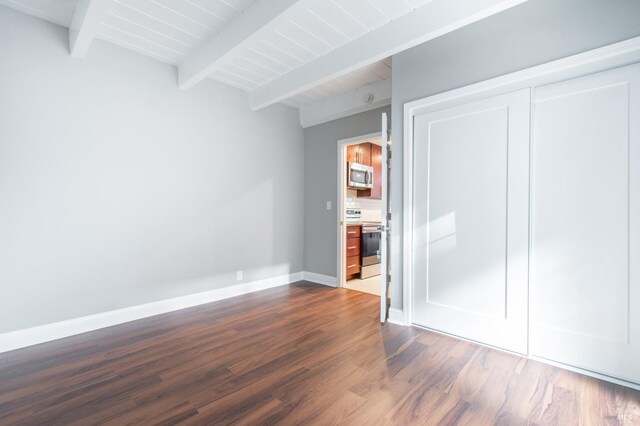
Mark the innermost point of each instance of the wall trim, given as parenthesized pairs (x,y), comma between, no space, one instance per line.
(58,330)
(320,279)
(396,316)
(611,56)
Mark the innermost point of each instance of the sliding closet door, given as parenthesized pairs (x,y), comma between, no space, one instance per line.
(585,224)
(471,172)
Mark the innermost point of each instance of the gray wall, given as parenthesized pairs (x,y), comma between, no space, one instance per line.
(117,188)
(533,33)
(321,185)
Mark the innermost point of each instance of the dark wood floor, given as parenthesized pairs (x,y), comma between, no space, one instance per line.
(302,354)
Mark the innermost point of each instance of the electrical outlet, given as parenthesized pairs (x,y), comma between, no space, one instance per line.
(328,205)
(239,275)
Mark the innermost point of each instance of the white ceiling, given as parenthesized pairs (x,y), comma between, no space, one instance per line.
(369,74)
(167,30)
(307,34)
(269,48)
(171,30)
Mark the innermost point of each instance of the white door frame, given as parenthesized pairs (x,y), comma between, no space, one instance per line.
(612,56)
(342,183)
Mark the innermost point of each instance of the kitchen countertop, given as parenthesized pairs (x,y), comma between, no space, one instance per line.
(362,223)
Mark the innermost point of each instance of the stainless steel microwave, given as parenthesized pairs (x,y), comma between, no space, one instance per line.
(359,176)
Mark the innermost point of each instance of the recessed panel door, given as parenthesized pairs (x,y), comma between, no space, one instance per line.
(585,223)
(471,170)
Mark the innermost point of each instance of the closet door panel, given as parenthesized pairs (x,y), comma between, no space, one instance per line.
(470,220)
(584,215)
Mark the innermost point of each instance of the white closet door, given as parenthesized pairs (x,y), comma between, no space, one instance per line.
(471,171)
(585,224)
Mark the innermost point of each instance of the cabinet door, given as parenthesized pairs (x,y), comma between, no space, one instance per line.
(352,153)
(585,223)
(471,176)
(353,267)
(360,153)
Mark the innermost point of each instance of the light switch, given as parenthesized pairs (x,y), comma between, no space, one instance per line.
(328,205)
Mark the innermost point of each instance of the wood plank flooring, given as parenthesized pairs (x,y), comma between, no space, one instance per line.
(299,354)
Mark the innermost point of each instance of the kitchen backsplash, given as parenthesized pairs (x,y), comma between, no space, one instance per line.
(370,208)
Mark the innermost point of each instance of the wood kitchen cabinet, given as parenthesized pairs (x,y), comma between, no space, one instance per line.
(368,154)
(352,263)
(360,153)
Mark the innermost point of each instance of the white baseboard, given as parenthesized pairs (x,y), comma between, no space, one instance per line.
(396,316)
(320,279)
(45,333)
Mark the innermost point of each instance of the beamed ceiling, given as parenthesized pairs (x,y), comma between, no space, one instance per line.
(298,52)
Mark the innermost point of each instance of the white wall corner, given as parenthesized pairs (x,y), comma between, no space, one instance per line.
(48,332)
(320,279)
(346,104)
(396,316)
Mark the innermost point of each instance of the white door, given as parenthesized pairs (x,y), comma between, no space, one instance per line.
(585,223)
(470,196)
(386,228)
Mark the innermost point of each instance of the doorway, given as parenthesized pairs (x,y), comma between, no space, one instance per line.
(363,224)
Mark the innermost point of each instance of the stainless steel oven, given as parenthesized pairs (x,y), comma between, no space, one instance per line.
(359,176)
(370,249)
